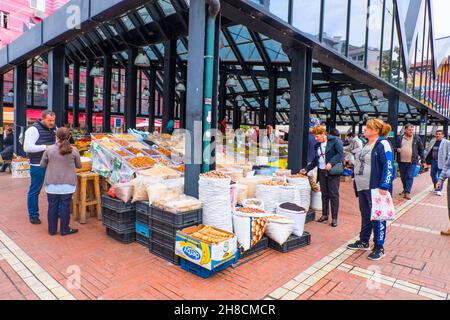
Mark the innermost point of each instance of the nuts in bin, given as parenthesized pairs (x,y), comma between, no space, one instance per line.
(250,210)
(215,175)
(134,150)
(276,184)
(258,229)
(141,162)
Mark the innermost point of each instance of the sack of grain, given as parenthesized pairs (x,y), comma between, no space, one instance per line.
(296,213)
(279,228)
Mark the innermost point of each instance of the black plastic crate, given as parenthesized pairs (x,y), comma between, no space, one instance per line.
(167,228)
(142,217)
(143,207)
(310,216)
(263,244)
(177,219)
(119,227)
(163,238)
(164,252)
(123,216)
(143,240)
(117,204)
(292,243)
(125,238)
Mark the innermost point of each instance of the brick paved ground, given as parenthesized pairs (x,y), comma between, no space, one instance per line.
(110,270)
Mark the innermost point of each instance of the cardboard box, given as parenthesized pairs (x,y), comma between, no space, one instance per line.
(20,169)
(208,256)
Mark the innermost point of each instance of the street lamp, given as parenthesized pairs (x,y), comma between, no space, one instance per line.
(11,93)
(375,102)
(118,96)
(286,96)
(96,71)
(146,92)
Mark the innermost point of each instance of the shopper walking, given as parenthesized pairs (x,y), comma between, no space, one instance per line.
(409,148)
(38,137)
(374,169)
(61,161)
(328,159)
(445,174)
(436,156)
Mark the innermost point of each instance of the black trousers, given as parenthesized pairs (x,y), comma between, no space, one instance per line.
(58,208)
(329,186)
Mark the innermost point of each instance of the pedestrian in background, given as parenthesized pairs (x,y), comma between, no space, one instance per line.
(328,158)
(374,169)
(409,149)
(436,155)
(444,176)
(8,149)
(60,161)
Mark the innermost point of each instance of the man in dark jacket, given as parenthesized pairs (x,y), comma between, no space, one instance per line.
(328,153)
(37,138)
(409,148)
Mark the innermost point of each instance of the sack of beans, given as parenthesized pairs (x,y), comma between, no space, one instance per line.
(279,228)
(253,203)
(275,192)
(249,225)
(296,213)
(215,194)
(303,189)
(251,183)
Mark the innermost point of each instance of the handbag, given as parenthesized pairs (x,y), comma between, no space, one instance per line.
(337,169)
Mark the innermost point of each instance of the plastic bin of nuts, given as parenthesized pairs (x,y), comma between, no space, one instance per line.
(140,163)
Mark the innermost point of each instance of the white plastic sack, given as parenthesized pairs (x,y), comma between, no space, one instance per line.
(215,194)
(165,190)
(124,191)
(299,217)
(289,194)
(251,182)
(270,195)
(249,229)
(304,191)
(140,187)
(279,229)
(316,201)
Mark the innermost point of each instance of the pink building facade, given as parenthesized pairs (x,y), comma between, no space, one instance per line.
(19,15)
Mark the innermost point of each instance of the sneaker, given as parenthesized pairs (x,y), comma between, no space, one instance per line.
(377,254)
(439,193)
(359,245)
(407,196)
(402,193)
(35,221)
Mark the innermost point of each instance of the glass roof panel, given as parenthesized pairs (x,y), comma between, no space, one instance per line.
(283,83)
(100,32)
(145,16)
(150,53)
(128,23)
(264,83)
(249,84)
(249,52)
(113,30)
(275,51)
(167,7)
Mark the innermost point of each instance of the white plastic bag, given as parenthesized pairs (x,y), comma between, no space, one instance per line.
(249,228)
(215,194)
(303,190)
(279,228)
(140,187)
(124,191)
(382,206)
(270,195)
(298,217)
(253,203)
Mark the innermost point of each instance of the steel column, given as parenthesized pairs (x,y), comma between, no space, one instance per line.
(262,113)
(183,99)
(56,87)
(107,82)
(195,88)
(89,96)
(423,125)
(76,95)
(236,115)
(170,70)
(272,109)
(152,100)
(394,103)
(334,97)
(222,97)
(131,90)
(20,105)
(301,79)
(445,125)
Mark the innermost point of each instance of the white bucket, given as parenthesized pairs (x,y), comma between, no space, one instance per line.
(316,201)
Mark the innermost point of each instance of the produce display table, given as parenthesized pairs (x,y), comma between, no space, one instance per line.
(87,195)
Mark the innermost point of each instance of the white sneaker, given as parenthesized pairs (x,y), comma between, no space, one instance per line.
(439,193)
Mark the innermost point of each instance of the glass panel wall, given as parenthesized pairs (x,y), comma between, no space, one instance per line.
(335,24)
(306,16)
(357,35)
(387,40)
(374,39)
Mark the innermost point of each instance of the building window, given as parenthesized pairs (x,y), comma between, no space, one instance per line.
(38,5)
(4,20)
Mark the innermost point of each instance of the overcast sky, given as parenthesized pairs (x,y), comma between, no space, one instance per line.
(441,20)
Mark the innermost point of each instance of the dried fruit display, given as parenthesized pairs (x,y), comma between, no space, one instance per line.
(250,210)
(298,175)
(162,161)
(141,162)
(134,150)
(215,175)
(123,143)
(125,136)
(276,184)
(100,136)
(163,151)
(122,153)
(179,168)
(109,144)
(150,152)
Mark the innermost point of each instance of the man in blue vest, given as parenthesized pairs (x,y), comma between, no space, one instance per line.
(37,138)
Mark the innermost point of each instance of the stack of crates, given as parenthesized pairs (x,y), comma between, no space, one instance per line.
(119,218)
(163,228)
(143,211)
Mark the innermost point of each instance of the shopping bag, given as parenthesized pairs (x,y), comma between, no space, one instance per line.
(382,206)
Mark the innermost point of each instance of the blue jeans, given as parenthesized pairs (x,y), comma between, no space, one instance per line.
(435,173)
(407,175)
(58,207)
(367,225)
(37,180)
